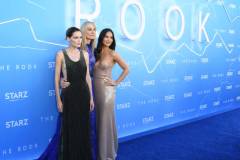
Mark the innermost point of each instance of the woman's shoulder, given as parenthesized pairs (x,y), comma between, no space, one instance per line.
(114,54)
(111,51)
(59,54)
(85,53)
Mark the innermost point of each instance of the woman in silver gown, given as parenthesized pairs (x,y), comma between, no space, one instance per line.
(104,88)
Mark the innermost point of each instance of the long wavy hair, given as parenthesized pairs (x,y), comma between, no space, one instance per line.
(100,43)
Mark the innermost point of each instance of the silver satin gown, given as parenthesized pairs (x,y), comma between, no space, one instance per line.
(105,115)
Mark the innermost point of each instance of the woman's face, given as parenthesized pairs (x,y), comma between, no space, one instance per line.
(76,39)
(108,39)
(90,32)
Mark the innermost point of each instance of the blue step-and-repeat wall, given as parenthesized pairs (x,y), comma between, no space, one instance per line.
(183,57)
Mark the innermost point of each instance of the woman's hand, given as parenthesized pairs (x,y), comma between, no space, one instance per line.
(91,105)
(64,83)
(60,106)
(108,81)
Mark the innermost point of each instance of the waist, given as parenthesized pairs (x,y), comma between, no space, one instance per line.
(102,77)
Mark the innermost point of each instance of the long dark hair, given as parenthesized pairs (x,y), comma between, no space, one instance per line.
(100,43)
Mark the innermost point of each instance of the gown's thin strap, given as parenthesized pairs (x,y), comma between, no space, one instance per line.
(64,67)
(82,58)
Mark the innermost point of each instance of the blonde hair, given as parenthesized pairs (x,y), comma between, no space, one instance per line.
(83,30)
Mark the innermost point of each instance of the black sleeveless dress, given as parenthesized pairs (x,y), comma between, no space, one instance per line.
(75,118)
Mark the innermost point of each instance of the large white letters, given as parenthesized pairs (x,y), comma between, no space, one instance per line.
(142,19)
(202,27)
(167,28)
(90,16)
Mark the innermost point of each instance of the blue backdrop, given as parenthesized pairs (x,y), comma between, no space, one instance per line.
(183,57)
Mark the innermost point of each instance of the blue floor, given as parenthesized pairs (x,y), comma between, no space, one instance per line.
(214,138)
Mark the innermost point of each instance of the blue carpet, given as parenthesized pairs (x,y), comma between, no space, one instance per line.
(214,138)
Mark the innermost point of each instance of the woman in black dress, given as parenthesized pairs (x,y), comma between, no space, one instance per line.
(76,100)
